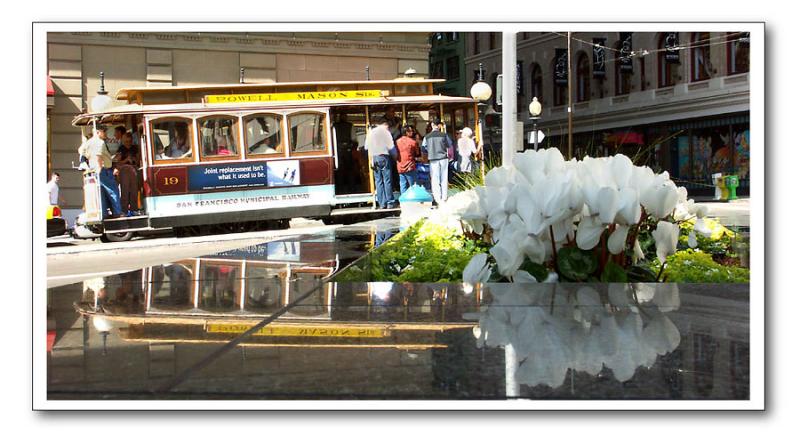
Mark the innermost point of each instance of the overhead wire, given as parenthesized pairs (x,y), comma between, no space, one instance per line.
(646,52)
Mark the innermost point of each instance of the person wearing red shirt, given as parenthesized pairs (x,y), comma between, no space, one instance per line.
(408,152)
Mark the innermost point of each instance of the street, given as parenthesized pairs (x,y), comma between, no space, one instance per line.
(70,260)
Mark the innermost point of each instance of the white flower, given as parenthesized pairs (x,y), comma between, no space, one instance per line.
(477,270)
(629,209)
(534,248)
(616,242)
(589,231)
(637,251)
(701,227)
(508,256)
(621,169)
(499,177)
(660,200)
(666,237)
(700,210)
(608,204)
(522,276)
(692,239)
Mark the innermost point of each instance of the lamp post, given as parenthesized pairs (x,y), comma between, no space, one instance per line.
(535,108)
(482,92)
(101,101)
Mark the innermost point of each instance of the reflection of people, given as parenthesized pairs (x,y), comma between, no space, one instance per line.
(179,145)
(408,152)
(179,281)
(435,145)
(379,143)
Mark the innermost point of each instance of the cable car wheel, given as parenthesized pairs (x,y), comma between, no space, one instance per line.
(117,237)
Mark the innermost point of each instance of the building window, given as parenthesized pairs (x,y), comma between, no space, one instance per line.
(668,61)
(642,75)
(219,137)
(701,56)
(738,52)
(492,40)
(437,70)
(453,70)
(559,90)
(622,77)
(584,72)
(536,83)
(493,84)
(476,43)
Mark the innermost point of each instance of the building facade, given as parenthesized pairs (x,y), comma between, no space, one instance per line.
(447,62)
(676,101)
(76,59)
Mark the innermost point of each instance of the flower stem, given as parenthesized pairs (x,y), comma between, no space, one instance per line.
(555,255)
(663,265)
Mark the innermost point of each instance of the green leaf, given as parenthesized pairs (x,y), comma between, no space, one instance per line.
(613,273)
(576,264)
(537,270)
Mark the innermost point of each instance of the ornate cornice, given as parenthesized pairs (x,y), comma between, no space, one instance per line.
(247,43)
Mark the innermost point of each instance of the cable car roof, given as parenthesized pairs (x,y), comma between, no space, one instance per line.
(119,112)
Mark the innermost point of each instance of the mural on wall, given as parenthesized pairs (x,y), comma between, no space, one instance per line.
(701,149)
(741,140)
(684,163)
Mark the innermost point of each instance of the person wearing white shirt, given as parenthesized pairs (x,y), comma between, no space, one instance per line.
(53,190)
(466,148)
(379,143)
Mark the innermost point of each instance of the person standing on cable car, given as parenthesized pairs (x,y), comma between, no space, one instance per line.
(407,154)
(379,144)
(127,163)
(96,150)
(345,143)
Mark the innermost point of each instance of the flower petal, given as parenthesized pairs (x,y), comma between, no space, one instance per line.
(616,242)
(589,231)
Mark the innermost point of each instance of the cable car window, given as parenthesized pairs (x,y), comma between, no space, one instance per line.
(307,132)
(218,136)
(263,134)
(172,140)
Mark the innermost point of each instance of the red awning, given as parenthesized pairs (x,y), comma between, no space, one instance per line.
(50,90)
(624,138)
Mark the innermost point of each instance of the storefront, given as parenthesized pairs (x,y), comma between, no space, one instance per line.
(691,150)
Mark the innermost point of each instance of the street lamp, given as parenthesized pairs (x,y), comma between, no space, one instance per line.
(101,101)
(482,92)
(535,108)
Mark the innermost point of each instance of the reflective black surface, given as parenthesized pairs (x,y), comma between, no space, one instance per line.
(158,333)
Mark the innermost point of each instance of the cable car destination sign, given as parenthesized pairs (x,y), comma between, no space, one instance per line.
(295,96)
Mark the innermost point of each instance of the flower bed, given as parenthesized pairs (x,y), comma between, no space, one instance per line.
(545,219)
(425,252)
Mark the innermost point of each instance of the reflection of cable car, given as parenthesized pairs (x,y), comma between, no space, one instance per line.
(247,156)
(214,297)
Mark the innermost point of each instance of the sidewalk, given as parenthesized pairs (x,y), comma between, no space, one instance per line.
(733,213)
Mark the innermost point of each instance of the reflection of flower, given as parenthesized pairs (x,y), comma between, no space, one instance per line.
(553,329)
